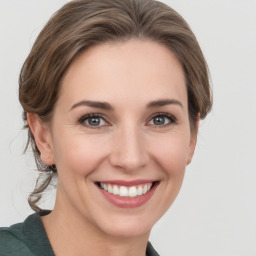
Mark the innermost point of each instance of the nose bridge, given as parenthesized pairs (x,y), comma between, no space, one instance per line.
(129,149)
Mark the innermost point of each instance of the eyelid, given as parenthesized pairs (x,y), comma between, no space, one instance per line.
(82,119)
(172,118)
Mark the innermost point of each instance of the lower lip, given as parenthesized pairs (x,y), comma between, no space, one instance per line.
(129,202)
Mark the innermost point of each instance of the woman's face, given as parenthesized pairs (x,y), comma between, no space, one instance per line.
(120,136)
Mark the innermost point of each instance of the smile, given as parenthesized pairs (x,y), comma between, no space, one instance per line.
(124,191)
(127,194)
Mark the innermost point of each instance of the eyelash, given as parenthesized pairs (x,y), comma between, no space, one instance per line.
(172,120)
(92,115)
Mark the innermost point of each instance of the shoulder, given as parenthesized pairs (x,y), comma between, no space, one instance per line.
(12,241)
(25,239)
(151,251)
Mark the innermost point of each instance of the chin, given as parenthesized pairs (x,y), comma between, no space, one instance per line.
(128,226)
(128,229)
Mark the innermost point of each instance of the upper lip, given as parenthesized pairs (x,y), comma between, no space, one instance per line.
(127,183)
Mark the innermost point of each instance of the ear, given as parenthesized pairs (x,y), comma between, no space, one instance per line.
(193,140)
(42,137)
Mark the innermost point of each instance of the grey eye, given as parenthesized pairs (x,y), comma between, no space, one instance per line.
(160,120)
(93,121)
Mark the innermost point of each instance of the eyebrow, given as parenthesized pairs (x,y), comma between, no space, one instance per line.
(93,104)
(107,106)
(164,102)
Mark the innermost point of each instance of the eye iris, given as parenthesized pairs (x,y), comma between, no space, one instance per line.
(159,120)
(94,121)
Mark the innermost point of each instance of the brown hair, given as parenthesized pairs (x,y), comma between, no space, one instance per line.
(82,23)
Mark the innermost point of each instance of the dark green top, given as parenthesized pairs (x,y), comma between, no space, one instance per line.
(29,239)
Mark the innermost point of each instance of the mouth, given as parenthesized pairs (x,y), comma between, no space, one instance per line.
(127,194)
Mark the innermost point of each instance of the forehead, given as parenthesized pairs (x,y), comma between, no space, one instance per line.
(135,69)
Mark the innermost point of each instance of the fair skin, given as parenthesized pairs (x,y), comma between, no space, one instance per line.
(137,133)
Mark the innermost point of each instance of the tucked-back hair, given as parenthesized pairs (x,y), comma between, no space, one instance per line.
(83,23)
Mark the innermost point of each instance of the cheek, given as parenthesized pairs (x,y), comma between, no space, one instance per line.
(78,155)
(172,154)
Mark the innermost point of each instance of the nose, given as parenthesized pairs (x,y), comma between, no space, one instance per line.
(129,149)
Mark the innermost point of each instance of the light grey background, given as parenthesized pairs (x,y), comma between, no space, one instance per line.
(215,212)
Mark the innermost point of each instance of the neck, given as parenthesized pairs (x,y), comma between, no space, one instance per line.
(72,234)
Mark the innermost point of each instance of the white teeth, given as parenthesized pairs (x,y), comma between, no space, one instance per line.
(145,189)
(133,191)
(140,192)
(110,190)
(124,191)
(115,190)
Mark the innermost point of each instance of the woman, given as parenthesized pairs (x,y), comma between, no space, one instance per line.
(112,93)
